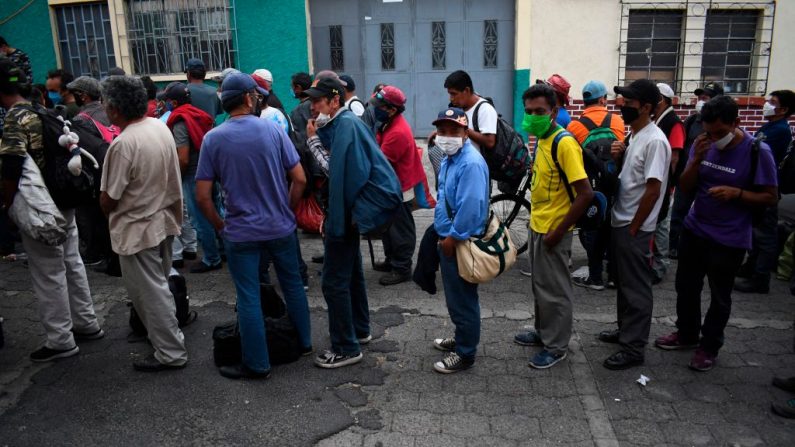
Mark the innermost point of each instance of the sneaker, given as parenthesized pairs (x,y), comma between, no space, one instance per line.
(784,384)
(453,363)
(588,283)
(546,359)
(86,336)
(242,372)
(673,342)
(702,361)
(529,338)
(151,364)
(610,284)
(786,410)
(366,339)
(331,359)
(444,344)
(46,354)
(91,262)
(526,272)
(393,277)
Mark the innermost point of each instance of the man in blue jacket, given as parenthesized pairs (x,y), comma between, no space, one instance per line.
(462,208)
(363,194)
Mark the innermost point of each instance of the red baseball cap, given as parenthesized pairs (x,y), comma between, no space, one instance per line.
(388,96)
(559,84)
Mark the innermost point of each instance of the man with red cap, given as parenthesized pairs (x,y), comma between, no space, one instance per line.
(561,87)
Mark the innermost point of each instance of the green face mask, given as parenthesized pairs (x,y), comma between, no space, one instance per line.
(536,125)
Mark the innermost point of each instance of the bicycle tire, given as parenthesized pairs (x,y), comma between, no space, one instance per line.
(514,212)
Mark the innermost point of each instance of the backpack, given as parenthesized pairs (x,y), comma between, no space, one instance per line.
(596,212)
(178,288)
(108,133)
(599,164)
(786,172)
(67,190)
(509,159)
(757,212)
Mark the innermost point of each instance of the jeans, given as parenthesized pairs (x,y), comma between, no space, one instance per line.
(243,260)
(400,240)
(186,241)
(265,265)
(345,294)
(463,306)
(596,243)
(204,229)
(701,257)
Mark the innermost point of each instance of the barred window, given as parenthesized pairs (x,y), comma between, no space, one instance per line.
(387,46)
(490,41)
(84,39)
(729,44)
(164,34)
(336,47)
(653,40)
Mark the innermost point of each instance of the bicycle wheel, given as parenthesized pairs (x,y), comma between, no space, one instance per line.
(514,212)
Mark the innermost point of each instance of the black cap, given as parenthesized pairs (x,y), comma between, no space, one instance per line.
(643,90)
(10,73)
(711,89)
(194,64)
(347,82)
(175,91)
(325,88)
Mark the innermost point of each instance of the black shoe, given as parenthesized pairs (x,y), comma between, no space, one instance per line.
(88,336)
(318,259)
(623,360)
(189,255)
(92,262)
(204,268)
(151,364)
(656,280)
(745,271)
(384,266)
(45,354)
(393,277)
(135,337)
(786,410)
(752,285)
(610,336)
(673,254)
(178,263)
(242,372)
(192,316)
(785,384)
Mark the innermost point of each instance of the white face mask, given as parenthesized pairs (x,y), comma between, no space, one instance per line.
(322,119)
(699,105)
(723,142)
(449,145)
(219,95)
(768,109)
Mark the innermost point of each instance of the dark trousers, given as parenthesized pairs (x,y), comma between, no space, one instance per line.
(764,254)
(345,293)
(596,244)
(7,238)
(92,227)
(400,240)
(701,257)
(463,305)
(632,257)
(679,210)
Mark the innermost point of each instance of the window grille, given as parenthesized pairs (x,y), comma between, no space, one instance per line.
(438,45)
(337,52)
(387,46)
(490,41)
(85,39)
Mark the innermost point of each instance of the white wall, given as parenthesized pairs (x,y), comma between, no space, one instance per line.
(782,56)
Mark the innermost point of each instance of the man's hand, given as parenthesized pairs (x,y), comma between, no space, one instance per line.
(701,145)
(724,193)
(553,238)
(322,227)
(617,149)
(448,247)
(431,138)
(311,128)
(633,230)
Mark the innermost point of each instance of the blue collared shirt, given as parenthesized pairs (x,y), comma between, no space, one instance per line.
(464,185)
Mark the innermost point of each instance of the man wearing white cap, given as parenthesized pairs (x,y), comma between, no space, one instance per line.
(668,121)
(264,79)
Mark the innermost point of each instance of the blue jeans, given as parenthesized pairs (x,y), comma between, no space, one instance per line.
(265,266)
(204,229)
(243,260)
(463,306)
(346,295)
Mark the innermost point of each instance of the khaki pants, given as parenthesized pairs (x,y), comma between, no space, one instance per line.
(61,287)
(145,276)
(553,292)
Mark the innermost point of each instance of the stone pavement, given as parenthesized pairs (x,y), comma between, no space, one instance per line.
(394,398)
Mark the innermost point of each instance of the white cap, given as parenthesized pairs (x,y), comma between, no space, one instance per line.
(264,74)
(666,90)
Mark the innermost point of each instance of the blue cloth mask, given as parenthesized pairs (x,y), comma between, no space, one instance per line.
(55,97)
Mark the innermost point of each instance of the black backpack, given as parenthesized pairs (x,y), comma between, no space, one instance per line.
(67,190)
(599,164)
(509,159)
(595,214)
(786,172)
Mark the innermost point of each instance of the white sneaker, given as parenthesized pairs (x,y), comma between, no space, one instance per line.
(330,359)
(526,272)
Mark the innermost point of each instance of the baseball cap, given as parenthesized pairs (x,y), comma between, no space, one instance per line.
(348,82)
(10,73)
(236,84)
(594,90)
(328,74)
(388,96)
(194,64)
(176,91)
(264,74)
(559,84)
(711,89)
(325,88)
(224,74)
(666,90)
(85,84)
(116,71)
(643,90)
(452,114)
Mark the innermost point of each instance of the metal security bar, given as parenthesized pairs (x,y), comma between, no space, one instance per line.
(164,34)
(724,41)
(85,40)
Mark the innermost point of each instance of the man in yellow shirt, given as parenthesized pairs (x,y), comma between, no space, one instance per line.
(558,164)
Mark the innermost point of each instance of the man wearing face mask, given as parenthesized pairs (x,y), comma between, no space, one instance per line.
(461,211)
(57,80)
(362,186)
(645,162)
(397,143)
(763,258)
(693,129)
(558,159)
(86,92)
(718,227)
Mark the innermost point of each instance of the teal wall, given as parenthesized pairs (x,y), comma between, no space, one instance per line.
(30,32)
(521,81)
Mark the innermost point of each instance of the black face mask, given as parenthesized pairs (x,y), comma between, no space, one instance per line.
(257,104)
(79,100)
(629,114)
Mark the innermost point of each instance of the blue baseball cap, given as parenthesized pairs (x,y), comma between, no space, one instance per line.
(236,84)
(194,64)
(453,114)
(593,90)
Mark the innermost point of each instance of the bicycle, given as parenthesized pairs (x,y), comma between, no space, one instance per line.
(513,210)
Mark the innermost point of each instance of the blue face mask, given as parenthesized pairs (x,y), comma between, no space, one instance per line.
(381,115)
(55,97)
(292,93)
(169,106)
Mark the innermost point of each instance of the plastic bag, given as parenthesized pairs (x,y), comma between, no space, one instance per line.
(308,215)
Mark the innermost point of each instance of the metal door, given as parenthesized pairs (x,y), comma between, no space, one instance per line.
(414,45)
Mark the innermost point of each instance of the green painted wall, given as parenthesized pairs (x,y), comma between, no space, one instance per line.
(271,34)
(521,81)
(30,32)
